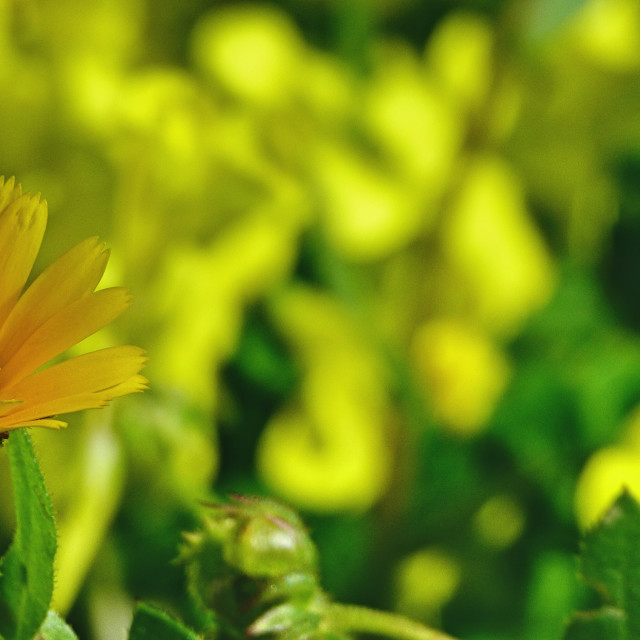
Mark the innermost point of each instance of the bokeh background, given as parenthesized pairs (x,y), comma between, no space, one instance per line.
(385,259)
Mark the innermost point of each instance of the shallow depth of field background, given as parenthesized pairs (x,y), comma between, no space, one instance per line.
(385,260)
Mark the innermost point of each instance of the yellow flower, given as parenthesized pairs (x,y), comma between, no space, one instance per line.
(59,309)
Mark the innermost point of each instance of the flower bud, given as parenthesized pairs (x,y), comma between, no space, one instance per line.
(253,567)
(268,544)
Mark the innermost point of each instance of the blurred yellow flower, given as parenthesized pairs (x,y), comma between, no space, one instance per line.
(327,450)
(58,310)
(607,473)
(499,522)
(425,581)
(606,31)
(491,241)
(413,122)
(460,55)
(368,214)
(463,372)
(253,51)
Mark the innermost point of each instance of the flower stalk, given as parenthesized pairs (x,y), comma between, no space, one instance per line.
(355,619)
(254,567)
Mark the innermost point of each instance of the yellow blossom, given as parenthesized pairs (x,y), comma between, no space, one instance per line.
(463,372)
(58,310)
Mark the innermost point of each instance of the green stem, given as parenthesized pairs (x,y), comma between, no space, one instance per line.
(351,618)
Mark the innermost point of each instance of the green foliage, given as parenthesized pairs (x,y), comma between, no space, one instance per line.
(26,583)
(152,624)
(610,563)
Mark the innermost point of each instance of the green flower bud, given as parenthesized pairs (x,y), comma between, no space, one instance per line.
(252,567)
(269,546)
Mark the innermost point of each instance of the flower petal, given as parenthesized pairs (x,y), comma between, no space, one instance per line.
(132,385)
(68,404)
(72,276)
(94,372)
(22,226)
(52,407)
(9,405)
(66,328)
(44,422)
(9,192)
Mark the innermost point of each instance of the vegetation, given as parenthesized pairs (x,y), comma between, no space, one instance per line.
(384,260)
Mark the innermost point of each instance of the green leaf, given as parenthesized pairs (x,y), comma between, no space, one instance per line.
(610,562)
(152,624)
(55,628)
(26,583)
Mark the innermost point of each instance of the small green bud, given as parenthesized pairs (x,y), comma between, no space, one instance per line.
(260,538)
(270,546)
(252,567)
